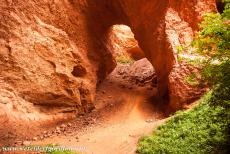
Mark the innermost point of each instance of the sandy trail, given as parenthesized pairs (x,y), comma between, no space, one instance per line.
(127,114)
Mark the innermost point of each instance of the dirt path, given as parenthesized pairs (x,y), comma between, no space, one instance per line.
(123,114)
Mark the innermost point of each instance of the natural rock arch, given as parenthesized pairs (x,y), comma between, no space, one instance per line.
(54,52)
(147,21)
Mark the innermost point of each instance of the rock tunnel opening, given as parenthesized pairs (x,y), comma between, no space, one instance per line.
(130,89)
(132,68)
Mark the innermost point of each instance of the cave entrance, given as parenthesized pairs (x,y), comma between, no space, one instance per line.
(132,66)
(127,92)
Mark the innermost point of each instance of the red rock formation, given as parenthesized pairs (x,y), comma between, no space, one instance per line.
(182,20)
(53,53)
(45,43)
(192,11)
(124,44)
(152,40)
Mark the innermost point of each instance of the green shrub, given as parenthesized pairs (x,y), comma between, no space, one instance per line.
(191,79)
(202,130)
(213,42)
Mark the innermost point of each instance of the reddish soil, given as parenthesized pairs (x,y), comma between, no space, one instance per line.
(124,112)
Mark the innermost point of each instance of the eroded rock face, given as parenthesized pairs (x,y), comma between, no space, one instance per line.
(192,11)
(182,20)
(124,44)
(185,85)
(38,58)
(53,53)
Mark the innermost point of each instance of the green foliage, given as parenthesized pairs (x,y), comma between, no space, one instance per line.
(191,79)
(124,59)
(179,49)
(213,42)
(202,130)
(197,62)
(226,13)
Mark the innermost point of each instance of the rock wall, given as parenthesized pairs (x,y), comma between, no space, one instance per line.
(192,11)
(124,44)
(53,53)
(182,20)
